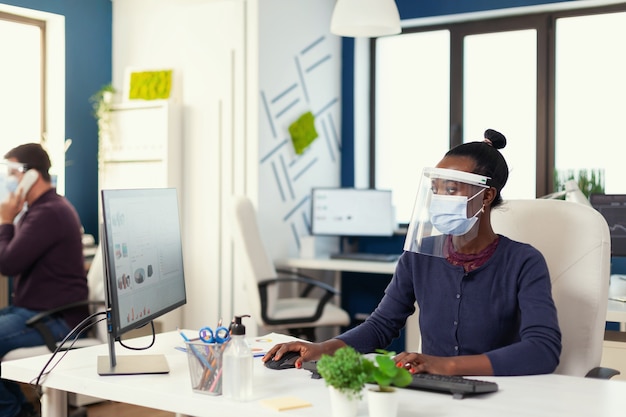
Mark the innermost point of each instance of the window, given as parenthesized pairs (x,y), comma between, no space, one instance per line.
(589,101)
(551,82)
(21,81)
(413,112)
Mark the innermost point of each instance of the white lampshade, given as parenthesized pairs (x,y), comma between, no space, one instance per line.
(365,18)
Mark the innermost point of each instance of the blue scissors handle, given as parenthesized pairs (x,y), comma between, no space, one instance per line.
(220,335)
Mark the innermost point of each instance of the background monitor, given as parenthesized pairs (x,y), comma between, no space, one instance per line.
(143,268)
(352,212)
(613,208)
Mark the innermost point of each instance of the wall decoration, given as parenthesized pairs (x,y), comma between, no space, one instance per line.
(149,85)
(303,132)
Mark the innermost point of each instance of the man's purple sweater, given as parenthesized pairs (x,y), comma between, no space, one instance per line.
(44,253)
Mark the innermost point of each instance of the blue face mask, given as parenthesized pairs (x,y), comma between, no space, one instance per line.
(12,183)
(448,214)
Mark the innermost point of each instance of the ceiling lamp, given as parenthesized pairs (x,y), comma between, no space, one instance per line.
(365,18)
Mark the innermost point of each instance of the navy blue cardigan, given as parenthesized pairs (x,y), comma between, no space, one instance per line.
(503,309)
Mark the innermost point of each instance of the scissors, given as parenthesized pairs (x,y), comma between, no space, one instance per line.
(220,335)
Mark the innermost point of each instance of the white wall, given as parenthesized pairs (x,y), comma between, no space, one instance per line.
(300,64)
(204,43)
(227,55)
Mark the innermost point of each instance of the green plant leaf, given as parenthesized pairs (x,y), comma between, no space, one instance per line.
(385,373)
(345,370)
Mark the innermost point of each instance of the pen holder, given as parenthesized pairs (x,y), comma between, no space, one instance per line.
(205,367)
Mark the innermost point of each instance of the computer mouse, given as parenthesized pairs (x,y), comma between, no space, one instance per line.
(287,361)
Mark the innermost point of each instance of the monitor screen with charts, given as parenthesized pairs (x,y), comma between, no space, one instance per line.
(613,208)
(143,265)
(352,212)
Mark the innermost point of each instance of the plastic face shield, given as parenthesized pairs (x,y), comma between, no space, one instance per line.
(448,202)
(8,172)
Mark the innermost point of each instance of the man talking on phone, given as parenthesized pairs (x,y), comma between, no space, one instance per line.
(41,248)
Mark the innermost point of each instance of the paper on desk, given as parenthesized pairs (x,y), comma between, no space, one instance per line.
(261,344)
(285,403)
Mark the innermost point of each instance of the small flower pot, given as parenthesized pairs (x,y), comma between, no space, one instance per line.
(382,403)
(342,405)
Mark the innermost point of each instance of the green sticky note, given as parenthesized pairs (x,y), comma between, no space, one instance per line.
(303,132)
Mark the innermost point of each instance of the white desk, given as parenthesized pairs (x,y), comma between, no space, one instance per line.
(543,395)
(338,265)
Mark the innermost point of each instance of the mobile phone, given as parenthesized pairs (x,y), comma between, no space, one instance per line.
(29,178)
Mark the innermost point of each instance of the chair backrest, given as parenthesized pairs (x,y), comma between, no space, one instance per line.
(574,239)
(247,236)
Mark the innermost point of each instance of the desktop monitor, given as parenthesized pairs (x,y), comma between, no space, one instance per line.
(613,208)
(143,269)
(352,212)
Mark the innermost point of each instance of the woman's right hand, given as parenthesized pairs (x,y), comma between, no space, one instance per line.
(308,351)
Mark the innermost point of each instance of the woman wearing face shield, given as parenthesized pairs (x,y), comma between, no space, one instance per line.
(485,301)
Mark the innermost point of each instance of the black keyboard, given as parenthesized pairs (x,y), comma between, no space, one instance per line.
(456,385)
(360,256)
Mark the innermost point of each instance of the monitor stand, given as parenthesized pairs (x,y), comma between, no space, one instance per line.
(132,364)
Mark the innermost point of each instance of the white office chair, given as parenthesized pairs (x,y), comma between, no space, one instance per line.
(299,315)
(574,239)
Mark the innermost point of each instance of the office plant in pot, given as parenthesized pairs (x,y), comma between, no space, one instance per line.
(382,400)
(345,374)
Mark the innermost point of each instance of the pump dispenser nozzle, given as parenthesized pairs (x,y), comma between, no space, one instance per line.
(237,327)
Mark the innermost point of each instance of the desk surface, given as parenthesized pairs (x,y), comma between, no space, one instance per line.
(345,265)
(542,395)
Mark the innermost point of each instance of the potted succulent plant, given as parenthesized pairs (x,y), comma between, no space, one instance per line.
(383,400)
(345,373)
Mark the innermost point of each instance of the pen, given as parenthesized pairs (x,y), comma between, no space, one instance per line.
(215,383)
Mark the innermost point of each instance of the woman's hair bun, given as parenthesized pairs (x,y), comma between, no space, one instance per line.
(495,138)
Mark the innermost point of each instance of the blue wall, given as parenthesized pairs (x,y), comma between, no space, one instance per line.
(88,54)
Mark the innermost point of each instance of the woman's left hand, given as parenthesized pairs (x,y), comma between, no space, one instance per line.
(416,363)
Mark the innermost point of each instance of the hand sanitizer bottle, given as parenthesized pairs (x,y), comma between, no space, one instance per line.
(237,364)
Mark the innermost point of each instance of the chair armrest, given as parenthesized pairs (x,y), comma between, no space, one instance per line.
(302,279)
(330,292)
(37,323)
(312,283)
(602,373)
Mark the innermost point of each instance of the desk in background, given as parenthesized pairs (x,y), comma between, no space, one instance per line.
(545,395)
